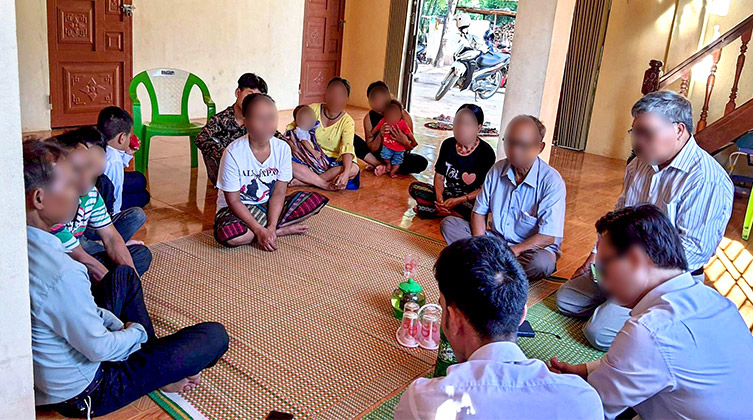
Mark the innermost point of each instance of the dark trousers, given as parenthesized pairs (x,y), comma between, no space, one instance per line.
(160,362)
(141,255)
(134,190)
(425,196)
(127,222)
(412,163)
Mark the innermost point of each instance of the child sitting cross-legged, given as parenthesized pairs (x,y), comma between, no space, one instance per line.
(304,136)
(253,178)
(396,135)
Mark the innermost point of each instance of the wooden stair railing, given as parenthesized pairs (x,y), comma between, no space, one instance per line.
(737,120)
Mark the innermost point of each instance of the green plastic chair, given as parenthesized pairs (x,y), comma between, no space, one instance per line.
(168,91)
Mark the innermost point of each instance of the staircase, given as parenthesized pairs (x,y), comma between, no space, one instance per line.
(736,120)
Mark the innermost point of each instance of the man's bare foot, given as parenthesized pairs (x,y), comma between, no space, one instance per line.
(176,386)
(134,242)
(393,176)
(292,230)
(195,379)
(380,170)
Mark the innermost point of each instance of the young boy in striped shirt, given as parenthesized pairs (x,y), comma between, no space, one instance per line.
(86,153)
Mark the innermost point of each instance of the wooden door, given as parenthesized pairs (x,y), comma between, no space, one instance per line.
(90,58)
(322,47)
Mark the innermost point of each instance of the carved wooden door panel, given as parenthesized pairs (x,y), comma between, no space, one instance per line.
(322,47)
(90,58)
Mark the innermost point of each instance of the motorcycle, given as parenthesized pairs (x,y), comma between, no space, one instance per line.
(475,67)
(421,55)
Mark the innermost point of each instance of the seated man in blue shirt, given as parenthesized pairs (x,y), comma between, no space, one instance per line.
(525,198)
(672,172)
(93,344)
(684,353)
(483,292)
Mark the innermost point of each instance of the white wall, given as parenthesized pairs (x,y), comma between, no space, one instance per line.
(16,386)
(217,40)
(637,32)
(34,64)
(542,34)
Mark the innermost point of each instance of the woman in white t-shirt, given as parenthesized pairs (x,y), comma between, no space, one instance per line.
(253,178)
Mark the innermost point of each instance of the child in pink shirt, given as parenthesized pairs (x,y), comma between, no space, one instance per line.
(392,150)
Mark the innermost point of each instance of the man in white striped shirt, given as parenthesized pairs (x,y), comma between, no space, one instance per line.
(673,173)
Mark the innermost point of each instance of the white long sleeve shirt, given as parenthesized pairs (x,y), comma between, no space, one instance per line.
(70,335)
(499,382)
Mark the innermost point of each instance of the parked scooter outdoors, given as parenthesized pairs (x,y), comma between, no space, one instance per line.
(476,66)
(421,54)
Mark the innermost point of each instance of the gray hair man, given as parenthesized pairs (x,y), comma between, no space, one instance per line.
(673,173)
(525,199)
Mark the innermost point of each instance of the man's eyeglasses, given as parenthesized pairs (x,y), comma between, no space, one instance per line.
(636,133)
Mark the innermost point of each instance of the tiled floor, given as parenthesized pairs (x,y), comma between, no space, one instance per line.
(183,203)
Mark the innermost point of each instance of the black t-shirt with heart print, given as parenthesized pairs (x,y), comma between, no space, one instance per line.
(463,174)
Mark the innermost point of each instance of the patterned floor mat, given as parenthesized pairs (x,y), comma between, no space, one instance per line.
(311,328)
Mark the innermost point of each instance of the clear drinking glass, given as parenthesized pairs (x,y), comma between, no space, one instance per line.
(430,318)
(407,334)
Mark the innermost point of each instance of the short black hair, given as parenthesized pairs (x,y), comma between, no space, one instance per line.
(481,277)
(87,135)
(647,227)
(252,81)
(298,108)
(39,162)
(394,103)
(250,99)
(477,111)
(338,79)
(378,86)
(114,120)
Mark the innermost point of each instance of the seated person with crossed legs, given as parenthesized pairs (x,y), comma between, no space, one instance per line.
(86,153)
(525,198)
(673,173)
(93,344)
(254,174)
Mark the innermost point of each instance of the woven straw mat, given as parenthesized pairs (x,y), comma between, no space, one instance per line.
(311,328)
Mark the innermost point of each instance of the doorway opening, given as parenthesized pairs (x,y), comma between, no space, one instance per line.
(460,54)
